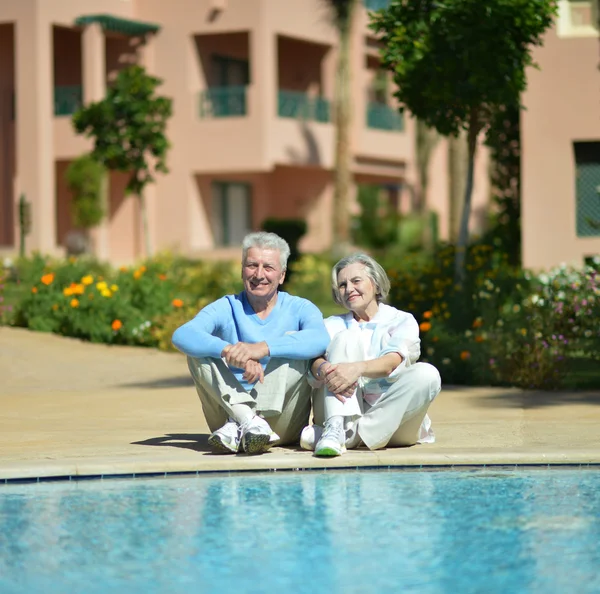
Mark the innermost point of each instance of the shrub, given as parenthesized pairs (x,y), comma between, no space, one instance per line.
(116,307)
(312,280)
(84,177)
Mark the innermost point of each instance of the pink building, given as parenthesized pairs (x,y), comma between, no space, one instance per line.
(560,135)
(252,85)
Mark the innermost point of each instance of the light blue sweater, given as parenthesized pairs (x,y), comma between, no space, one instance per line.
(231,319)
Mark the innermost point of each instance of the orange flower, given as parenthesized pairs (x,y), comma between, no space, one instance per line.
(479,338)
(162,276)
(424,326)
(34,290)
(465,355)
(478,323)
(137,274)
(116,325)
(143,269)
(48,278)
(74,302)
(54,307)
(435,338)
(177,303)
(428,315)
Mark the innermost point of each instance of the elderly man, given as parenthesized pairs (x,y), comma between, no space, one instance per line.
(249,354)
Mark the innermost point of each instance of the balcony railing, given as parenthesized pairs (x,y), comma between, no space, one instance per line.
(223,102)
(384,117)
(376,4)
(67,99)
(298,105)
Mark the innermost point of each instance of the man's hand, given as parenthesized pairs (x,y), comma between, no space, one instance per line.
(237,355)
(254,372)
(342,378)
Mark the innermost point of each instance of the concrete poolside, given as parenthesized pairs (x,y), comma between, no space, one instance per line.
(71,408)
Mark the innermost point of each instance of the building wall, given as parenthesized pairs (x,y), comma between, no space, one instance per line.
(561,108)
(289,45)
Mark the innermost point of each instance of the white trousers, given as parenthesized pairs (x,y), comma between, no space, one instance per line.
(398,418)
(283,399)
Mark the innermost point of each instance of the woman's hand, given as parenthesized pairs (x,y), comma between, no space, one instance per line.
(342,379)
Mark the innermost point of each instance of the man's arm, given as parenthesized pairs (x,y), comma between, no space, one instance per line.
(195,338)
(310,341)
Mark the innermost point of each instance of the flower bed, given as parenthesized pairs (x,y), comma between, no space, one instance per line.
(506,326)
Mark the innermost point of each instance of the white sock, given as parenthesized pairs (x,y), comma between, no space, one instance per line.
(241,413)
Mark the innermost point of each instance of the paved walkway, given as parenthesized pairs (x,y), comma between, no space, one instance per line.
(73,408)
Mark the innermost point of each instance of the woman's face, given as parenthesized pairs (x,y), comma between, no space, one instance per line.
(357,290)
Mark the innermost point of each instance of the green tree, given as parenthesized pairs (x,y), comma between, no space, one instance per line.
(457,62)
(128,128)
(343,16)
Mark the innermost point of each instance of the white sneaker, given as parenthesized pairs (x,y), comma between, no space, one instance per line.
(257,436)
(333,440)
(226,440)
(310,436)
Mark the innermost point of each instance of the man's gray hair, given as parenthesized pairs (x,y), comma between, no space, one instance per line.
(374,271)
(266,241)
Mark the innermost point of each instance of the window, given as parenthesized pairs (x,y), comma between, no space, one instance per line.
(577,18)
(587,188)
(229,72)
(231,212)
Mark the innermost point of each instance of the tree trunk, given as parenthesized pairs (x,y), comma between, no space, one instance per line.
(425,141)
(457,174)
(463,236)
(146,231)
(342,120)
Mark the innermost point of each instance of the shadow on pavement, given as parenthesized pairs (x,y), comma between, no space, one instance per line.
(539,399)
(162,383)
(190,441)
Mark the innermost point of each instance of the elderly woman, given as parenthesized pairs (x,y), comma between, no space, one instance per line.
(370,388)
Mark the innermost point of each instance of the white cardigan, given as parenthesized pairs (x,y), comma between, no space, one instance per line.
(389,331)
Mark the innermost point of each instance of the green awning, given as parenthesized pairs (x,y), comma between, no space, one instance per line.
(118,24)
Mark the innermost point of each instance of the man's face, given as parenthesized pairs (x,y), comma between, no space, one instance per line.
(262,273)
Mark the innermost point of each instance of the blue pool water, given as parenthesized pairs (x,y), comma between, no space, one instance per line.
(339,532)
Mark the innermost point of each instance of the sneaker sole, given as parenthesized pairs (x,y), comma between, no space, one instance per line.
(328,452)
(219,446)
(256,443)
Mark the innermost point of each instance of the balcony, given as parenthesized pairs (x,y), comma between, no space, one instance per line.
(384,117)
(67,99)
(223,102)
(376,4)
(298,105)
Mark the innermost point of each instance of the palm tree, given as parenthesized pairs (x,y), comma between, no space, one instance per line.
(342,12)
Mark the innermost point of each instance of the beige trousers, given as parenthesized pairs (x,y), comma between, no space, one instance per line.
(396,418)
(284,399)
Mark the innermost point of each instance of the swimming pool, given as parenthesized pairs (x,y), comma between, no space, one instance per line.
(348,532)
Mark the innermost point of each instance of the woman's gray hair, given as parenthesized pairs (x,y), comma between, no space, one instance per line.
(266,241)
(374,271)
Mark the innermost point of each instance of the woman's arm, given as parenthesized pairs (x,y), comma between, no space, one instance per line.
(342,377)
(380,367)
